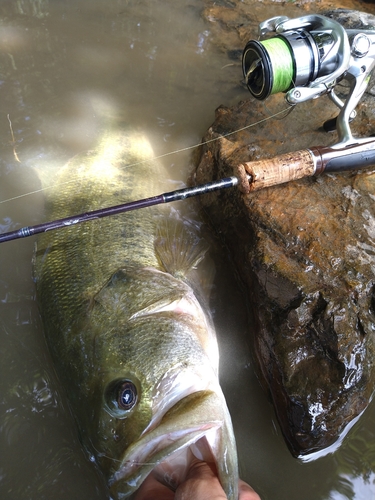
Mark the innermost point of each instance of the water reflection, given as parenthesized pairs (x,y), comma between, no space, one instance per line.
(68,68)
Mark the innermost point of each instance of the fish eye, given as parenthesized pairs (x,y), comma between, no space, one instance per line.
(121,396)
(127,395)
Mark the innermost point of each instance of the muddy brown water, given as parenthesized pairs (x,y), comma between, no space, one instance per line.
(66,69)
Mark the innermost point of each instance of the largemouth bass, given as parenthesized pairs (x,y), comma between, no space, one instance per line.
(127,325)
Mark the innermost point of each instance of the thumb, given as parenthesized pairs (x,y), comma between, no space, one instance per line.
(201,483)
(247,492)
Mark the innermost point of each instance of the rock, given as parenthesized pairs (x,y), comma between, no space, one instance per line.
(305,256)
(231,21)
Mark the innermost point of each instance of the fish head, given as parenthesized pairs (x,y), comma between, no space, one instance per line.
(152,400)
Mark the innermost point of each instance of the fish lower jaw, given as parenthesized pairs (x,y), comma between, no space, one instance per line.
(167,460)
(197,426)
(173,471)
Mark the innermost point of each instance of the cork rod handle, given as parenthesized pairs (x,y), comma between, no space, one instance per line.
(284,168)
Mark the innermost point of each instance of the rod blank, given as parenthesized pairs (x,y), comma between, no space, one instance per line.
(180,194)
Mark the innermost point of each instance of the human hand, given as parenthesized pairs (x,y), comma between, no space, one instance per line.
(201,483)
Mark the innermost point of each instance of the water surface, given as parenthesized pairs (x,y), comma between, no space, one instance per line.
(67,69)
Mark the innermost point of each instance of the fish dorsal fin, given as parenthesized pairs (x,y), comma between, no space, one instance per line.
(179,246)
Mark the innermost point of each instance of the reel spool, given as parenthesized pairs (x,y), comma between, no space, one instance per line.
(291,59)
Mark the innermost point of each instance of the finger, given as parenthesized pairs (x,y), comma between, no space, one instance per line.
(246,492)
(201,483)
(152,489)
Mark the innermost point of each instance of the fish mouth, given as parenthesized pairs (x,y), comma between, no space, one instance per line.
(197,426)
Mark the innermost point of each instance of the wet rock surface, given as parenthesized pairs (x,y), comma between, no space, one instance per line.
(305,255)
(232,21)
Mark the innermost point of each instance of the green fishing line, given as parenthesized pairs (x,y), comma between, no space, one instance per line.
(281,63)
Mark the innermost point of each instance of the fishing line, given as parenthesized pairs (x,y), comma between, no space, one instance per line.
(222,136)
(285,111)
(282,64)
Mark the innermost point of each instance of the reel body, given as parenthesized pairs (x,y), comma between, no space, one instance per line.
(305,58)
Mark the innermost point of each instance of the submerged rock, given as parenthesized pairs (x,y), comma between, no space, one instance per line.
(305,255)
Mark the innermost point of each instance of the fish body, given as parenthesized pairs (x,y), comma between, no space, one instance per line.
(127,325)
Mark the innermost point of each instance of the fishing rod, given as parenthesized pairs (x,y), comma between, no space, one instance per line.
(251,176)
(304,58)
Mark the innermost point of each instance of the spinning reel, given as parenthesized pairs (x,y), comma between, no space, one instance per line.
(305,58)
